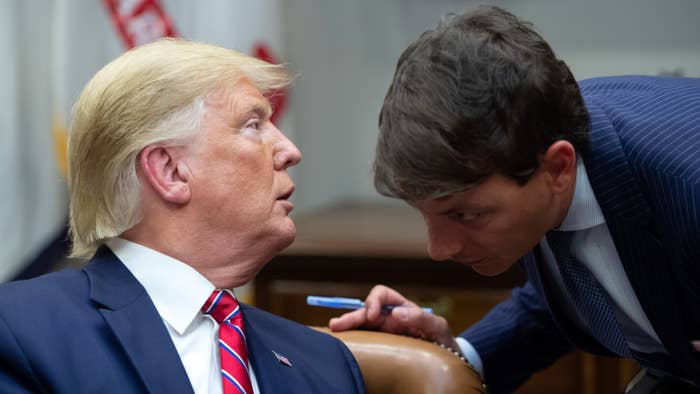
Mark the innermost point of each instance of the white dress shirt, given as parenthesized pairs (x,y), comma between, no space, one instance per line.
(593,246)
(178,292)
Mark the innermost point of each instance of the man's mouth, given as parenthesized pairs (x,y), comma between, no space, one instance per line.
(287,195)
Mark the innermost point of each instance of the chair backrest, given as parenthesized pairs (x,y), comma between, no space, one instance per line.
(398,364)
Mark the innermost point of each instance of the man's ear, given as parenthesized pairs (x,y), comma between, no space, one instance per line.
(559,162)
(166,173)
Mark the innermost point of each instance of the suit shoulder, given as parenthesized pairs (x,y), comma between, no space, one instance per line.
(278,330)
(58,279)
(264,318)
(43,291)
(655,120)
(640,84)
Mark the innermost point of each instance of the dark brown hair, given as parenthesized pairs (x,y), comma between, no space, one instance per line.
(481,94)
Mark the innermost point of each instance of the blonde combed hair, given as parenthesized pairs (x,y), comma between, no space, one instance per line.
(151,94)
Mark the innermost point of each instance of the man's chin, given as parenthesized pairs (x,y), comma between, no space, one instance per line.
(286,237)
(288,241)
(490,268)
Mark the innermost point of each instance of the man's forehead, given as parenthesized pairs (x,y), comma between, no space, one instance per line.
(434,204)
(243,98)
(467,197)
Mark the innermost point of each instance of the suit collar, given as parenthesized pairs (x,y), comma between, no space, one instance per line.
(584,211)
(111,283)
(608,169)
(129,312)
(178,296)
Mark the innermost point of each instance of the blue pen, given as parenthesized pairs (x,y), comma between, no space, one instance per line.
(346,303)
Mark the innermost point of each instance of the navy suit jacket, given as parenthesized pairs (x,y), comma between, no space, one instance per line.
(644,166)
(96,330)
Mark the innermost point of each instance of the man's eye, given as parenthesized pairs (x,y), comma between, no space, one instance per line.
(253,124)
(464,217)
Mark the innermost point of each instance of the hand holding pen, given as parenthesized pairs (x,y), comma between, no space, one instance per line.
(348,303)
(387,310)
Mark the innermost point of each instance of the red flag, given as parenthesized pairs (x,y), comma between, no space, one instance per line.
(278,99)
(139,21)
(143,21)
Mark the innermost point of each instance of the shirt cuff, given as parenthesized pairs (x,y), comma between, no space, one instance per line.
(471,355)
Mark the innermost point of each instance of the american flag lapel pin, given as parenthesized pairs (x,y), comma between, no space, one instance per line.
(282,359)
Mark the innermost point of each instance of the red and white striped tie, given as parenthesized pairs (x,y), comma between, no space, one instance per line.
(224,308)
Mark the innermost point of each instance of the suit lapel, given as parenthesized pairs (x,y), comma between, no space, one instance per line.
(268,370)
(135,322)
(629,219)
(272,375)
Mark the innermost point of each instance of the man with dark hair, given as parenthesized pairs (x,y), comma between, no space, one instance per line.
(593,187)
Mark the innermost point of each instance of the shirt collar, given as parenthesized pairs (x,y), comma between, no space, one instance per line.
(177,290)
(584,211)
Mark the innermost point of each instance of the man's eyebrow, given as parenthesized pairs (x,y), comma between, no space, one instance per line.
(261,109)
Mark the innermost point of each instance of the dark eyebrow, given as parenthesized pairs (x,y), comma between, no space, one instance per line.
(448,211)
(463,206)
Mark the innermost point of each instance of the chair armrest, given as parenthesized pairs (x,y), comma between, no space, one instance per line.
(393,363)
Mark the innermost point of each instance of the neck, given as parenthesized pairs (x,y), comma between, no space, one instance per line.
(565,203)
(223,265)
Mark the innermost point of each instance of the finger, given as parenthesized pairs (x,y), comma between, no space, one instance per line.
(421,324)
(381,296)
(348,321)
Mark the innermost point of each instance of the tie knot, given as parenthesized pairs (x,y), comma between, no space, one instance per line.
(222,306)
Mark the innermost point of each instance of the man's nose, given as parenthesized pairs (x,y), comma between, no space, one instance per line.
(442,245)
(286,153)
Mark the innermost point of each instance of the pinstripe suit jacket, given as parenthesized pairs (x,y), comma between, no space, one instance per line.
(644,166)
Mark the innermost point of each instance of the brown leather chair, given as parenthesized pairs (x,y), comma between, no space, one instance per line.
(398,364)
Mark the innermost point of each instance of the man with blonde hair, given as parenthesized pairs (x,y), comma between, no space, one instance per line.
(179,192)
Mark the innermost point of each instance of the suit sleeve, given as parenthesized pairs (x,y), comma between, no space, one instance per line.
(16,375)
(517,338)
